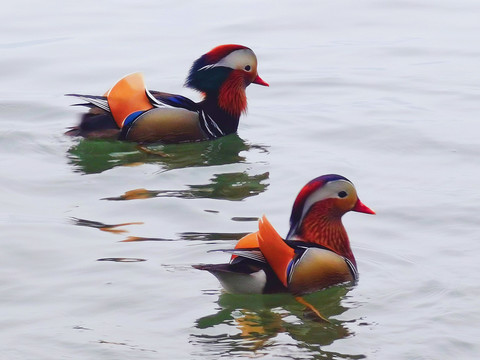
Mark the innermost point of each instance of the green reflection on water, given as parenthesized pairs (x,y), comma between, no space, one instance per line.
(254,323)
(227,186)
(95,156)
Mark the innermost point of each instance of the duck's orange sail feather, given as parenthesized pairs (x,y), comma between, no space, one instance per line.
(276,251)
(127,96)
(249,241)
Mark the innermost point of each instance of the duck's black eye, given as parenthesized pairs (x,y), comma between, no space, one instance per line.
(342,194)
(248,67)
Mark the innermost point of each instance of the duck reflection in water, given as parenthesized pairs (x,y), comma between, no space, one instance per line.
(255,322)
(228,186)
(119,229)
(96,156)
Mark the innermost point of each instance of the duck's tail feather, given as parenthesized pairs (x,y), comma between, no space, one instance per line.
(251,253)
(98,101)
(95,124)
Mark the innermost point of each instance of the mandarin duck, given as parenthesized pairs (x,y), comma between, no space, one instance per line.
(128,111)
(314,255)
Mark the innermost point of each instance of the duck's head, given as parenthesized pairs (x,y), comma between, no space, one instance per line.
(329,196)
(225,72)
(210,71)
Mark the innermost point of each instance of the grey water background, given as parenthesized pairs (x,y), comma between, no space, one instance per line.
(385,93)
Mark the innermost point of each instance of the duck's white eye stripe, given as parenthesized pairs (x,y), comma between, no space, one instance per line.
(329,190)
(239,59)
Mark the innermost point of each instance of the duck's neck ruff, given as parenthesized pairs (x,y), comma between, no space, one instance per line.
(323,226)
(231,95)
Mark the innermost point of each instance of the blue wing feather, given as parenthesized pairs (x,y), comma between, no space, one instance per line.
(174,100)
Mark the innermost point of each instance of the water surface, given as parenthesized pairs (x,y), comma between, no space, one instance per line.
(384,93)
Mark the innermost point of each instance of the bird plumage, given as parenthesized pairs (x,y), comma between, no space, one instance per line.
(315,254)
(128,111)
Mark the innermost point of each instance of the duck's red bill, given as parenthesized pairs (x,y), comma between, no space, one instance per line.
(361,207)
(258,80)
